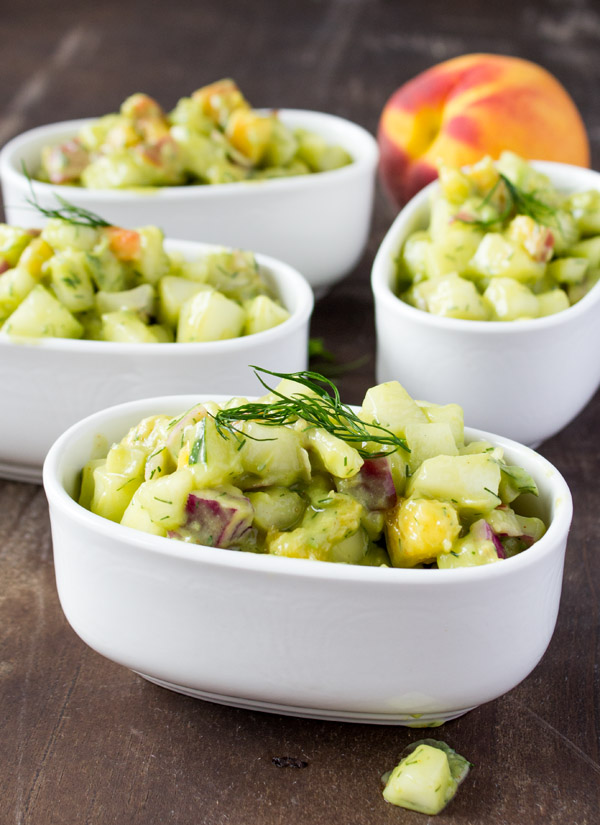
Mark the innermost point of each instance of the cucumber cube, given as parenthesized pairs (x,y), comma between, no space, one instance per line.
(421,782)
(209,316)
(510,300)
(263,313)
(41,315)
(471,482)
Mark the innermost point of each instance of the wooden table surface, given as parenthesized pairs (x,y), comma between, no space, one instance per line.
(85,741)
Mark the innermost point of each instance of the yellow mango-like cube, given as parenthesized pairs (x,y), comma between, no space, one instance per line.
(249,133)
(219,99)
(35,256)
(418,530)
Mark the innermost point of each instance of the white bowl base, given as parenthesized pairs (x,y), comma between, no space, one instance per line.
(426,720)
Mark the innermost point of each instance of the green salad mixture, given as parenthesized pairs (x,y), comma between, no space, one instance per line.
(299,474)
(213,136)
(82,278)
(502,244)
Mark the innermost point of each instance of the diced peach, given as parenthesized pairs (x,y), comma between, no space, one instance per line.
(125,243)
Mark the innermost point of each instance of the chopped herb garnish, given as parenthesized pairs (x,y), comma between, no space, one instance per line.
(518,202)
(162,500)
(320,409)
(68,212)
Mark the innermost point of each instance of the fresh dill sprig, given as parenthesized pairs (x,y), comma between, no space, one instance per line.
(322,408)
(68,212)
(519,202)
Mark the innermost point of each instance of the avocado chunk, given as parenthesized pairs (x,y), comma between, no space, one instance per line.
(426,778)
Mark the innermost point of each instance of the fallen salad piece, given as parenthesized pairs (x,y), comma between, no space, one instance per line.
(426,778)
(211,137)
(299,474)
(80,277)
(502,245)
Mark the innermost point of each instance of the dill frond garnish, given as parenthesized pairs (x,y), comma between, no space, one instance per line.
(322,408)
(518,202)
(68,212)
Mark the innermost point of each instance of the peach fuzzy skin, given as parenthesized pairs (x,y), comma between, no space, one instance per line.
(471,106)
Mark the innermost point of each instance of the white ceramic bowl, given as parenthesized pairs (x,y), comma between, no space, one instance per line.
(317,223)
(48,384)
(524,379)
(296,636)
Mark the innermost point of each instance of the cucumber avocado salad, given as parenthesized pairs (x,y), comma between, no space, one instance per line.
(82,278)
(297,473)
(502,245)
(213,136)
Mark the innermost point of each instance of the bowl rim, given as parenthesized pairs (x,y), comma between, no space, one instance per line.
(383,291)
(365,153)
(557,532)
(279,271)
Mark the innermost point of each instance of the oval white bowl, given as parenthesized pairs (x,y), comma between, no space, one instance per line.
(317,223)
(524,379)
(50,383)
(296,636)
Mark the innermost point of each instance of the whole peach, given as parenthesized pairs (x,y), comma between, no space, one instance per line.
(471,106)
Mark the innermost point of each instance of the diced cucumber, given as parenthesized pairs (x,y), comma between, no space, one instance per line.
(86,491)
(552,302)
(125,327)
(497,257)
(262,313)
(282,145)
(510,300)
(173,291)
(140,299)
(70,278)
(138,518)
(164,498)
(415,259)
(116,480)
(338,457)
(471,482)
(421,782)
(209,316)
(426,440)
(589,249)
(568,270)
(13,241)
(585,209)
(451,414)
(15,285)
(276,508)
(392,407)
(318,154)
(272,455)
(41,315)
(213,459)
(153,262)
(454,297)
(161,333)
(109,273)
(63,235)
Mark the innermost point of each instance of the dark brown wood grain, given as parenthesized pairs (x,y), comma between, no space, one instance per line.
(86,742)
